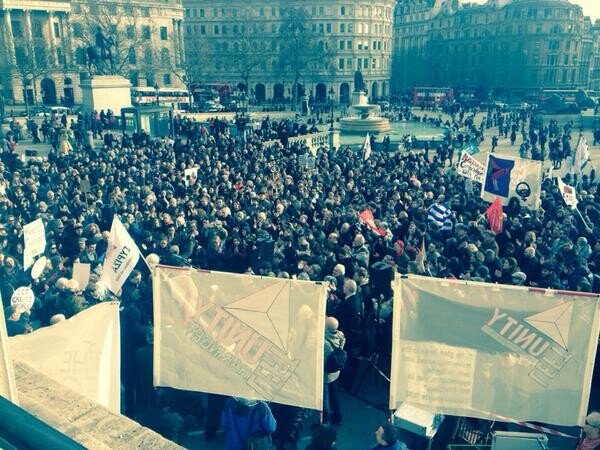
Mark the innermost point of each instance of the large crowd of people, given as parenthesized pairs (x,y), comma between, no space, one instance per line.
(253,208)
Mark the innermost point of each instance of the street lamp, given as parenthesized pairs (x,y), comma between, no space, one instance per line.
(156,88)
(331,94)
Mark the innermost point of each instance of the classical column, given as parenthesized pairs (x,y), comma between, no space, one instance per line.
(52,59)
(9,43)
(175,41)
(181,43)
(65,38)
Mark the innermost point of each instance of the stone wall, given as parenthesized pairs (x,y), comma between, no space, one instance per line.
(93,426)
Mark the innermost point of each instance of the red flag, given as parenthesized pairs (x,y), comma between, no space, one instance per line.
(494,216)
(367,217)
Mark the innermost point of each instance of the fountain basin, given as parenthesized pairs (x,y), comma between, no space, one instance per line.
(371,124)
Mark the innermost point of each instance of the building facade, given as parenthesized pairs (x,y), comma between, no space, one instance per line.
(502,47)
(249,42)
(42,45)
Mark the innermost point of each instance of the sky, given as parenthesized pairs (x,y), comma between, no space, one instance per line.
(590,7)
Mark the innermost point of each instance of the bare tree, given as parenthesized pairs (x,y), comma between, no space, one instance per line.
(31,65)
(302,51)
(188,66)
(247,52)
(128,33)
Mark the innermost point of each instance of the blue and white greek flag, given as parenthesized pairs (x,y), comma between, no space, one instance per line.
(439,215)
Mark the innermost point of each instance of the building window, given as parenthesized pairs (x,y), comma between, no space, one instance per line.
(235,29)
(349,45)
(216,29)
(553,45)
(17,29)
(77,30)
(60,56)
(202,29)
(146,32)
(130,31)
(163,33)
(343,10)
(202,12)
(328,28)
(131,56)
(150,79)
(349,28)
(167,79)
(321,28)
(224,29)
(321,11)
(342,45)
(56,29)
(148,59)
(164,56)
(342,27)
(79,56)
(261,12)
(341,63)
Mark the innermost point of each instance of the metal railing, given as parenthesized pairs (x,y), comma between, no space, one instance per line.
(20,430)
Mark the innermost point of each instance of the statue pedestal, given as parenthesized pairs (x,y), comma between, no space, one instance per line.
(104,92)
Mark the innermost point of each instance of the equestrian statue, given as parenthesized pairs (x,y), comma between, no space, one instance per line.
(100,55)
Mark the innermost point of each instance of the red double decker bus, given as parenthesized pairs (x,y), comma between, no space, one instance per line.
(427,96)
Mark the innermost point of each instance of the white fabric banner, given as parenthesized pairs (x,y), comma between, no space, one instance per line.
(122,255)
(34,235)
(81,353)
(239,335)
(470,168)
(484,350)
(509,176)
(8,389)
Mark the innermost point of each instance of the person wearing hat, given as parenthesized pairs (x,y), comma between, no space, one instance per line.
(519,278)
(591,430)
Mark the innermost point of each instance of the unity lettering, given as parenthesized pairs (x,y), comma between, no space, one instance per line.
(517,336)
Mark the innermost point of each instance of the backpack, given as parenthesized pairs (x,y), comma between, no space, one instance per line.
(336,360)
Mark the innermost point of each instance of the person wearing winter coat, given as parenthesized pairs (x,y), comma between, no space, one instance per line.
(242,418)
(334,338)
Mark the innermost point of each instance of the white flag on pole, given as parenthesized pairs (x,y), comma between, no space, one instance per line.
(81,353)
(580,158)
(122,255)
(568,193)
(239,335)
(367,147)
(34,235)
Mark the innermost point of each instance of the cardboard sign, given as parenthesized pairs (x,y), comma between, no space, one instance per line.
(22,298)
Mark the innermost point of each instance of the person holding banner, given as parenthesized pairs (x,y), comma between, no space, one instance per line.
(591,439)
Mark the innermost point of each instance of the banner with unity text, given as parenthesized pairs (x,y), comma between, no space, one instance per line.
(239,335)
(493,351)
(81,353)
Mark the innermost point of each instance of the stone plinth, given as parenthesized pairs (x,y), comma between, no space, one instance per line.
(104,92)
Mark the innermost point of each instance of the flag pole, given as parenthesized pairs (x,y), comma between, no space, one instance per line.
(587,227)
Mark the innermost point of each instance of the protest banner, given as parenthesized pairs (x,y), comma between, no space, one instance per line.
(121,257)
(8,388)
(34,235)
(239,335)
(492,351)
(191,175)
(81,353)
(509,176)
(81,273)
(23,298)
(470,168)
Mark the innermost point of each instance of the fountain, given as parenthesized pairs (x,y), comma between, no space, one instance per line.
(363,117)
